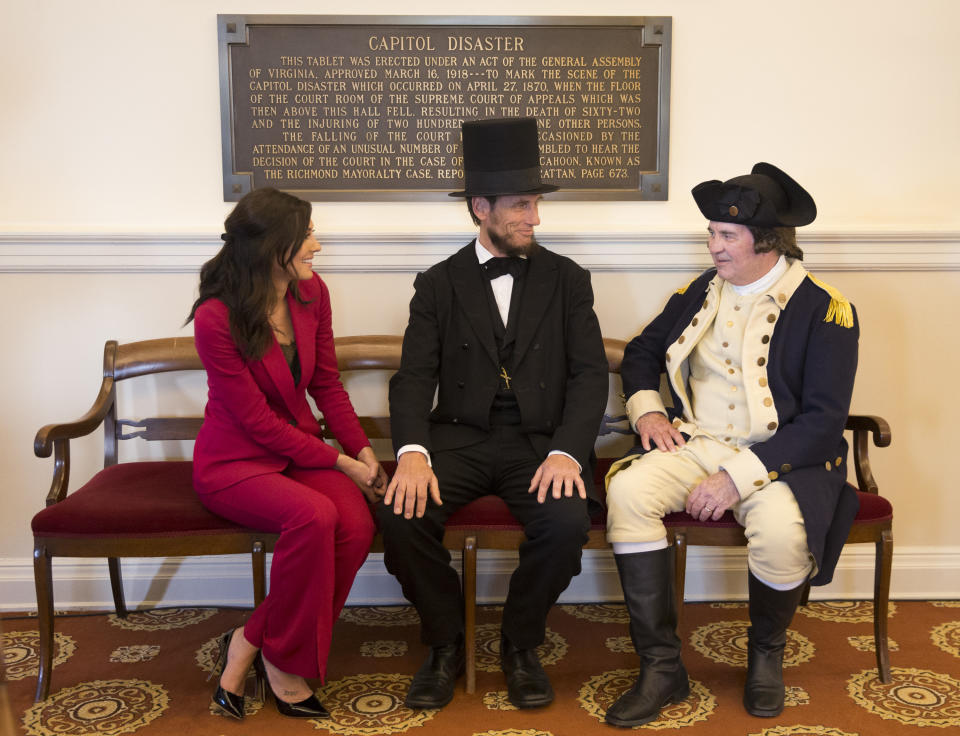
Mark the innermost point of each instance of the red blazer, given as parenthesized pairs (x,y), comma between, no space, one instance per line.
(257,420)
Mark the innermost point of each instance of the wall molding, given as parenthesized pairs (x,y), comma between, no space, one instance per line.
(927,573)
(104,253)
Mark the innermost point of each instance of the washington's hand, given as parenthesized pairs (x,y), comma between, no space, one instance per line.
(712,497)
(655,426)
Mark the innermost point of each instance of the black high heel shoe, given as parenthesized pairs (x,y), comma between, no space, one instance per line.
(228,703)
(310,707)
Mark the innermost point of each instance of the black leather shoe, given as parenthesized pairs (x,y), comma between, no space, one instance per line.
(527,684)
(228,703)
(309,707)
(642,702)
(433,685)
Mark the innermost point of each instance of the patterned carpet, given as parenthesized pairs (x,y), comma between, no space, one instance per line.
(146,675)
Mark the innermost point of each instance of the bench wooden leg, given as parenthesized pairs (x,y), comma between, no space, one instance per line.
(470,611)
(881,602)
(679,571)
(116,585)
(43,580)
(258,559)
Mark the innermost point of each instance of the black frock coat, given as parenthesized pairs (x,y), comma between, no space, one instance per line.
(559,377)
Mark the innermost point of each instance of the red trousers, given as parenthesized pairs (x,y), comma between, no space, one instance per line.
(325,531)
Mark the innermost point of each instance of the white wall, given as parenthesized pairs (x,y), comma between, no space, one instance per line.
(111,195)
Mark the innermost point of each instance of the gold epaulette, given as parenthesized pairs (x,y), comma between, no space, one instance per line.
(684,289)
(840,309)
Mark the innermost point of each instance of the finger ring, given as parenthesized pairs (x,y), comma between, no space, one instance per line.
(709,508)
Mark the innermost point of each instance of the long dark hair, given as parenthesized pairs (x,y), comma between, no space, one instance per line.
(266,228)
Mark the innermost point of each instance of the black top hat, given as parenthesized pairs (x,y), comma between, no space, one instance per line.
(766,197)
(501,156)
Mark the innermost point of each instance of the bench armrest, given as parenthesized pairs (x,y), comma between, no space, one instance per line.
(864,428)
(50,433)
(56,438)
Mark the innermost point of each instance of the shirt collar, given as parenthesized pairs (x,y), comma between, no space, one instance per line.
(483,255)
(764,282)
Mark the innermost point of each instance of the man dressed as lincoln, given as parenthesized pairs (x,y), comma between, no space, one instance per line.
(504,334)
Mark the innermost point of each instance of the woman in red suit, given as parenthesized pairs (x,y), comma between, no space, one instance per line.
(263,332)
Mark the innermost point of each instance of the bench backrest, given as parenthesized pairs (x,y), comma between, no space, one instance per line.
(354,353)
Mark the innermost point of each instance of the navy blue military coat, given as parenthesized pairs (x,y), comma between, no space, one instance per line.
(800,349)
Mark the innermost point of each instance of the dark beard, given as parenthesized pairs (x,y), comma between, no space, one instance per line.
(506,248)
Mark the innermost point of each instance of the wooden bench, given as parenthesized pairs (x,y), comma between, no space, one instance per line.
(149,508)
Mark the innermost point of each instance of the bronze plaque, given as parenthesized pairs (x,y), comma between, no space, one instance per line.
(369,108)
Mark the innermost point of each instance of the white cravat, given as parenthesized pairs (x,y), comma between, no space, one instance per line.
(766,281)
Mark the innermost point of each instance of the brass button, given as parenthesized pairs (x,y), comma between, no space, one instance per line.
(681,339)
(736,308)
(763,382)
(781,298)
(726,344)
(726,439)
(758,483)
(733,406)
(668,357)
(729,426)
(734,210)
(773,475)
(772,425)
(827,465)
(733,388)
(676,422)
(728,361)
(768,401)
(838,461)
(729,323)
(761,361)
(765,339)
(695,321)
(706,303)
(731,371)
(771,318)
(786,468)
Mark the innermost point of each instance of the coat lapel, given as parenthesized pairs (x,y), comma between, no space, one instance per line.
(541,284)
(471,293)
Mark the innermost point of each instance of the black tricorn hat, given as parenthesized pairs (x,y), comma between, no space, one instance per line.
(501,156)
(766,197)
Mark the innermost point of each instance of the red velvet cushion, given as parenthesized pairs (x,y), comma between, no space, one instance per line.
(873,508)
(139,499)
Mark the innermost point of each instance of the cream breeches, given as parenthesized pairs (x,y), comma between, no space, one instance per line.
(656,484)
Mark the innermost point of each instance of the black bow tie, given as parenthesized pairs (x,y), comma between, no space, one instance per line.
(496,267)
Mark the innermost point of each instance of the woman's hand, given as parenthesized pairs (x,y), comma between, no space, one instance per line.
(366,472)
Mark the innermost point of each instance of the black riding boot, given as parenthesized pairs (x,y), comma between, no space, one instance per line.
(770,614)
(647,580)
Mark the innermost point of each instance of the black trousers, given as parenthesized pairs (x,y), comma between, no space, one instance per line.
(556,530)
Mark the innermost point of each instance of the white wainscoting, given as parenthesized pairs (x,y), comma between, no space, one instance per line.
(712,574)
(398,253)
